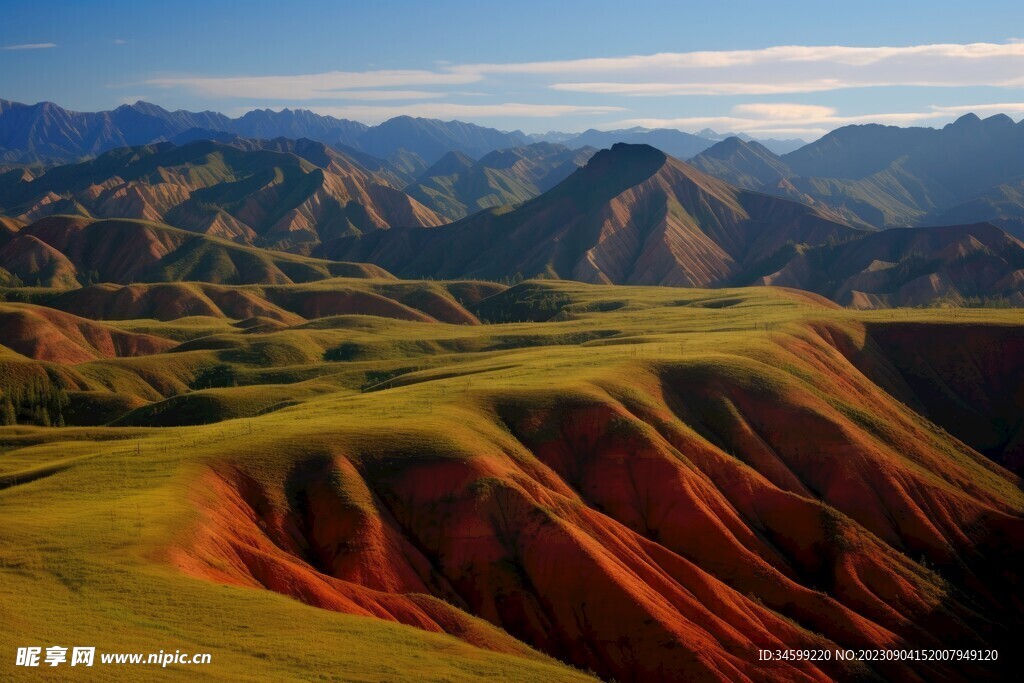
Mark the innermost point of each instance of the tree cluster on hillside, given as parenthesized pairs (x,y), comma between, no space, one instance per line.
(38,402)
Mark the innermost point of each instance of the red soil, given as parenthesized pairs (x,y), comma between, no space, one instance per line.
(660,527)
(45,334)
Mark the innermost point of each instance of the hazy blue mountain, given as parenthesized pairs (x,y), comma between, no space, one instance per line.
(48,132)
(776,146)
(673,142)
(744,163)
(883,176)
(677,143)
(399,169)
(432,139)
(297,123)
(457,186)
(857,151)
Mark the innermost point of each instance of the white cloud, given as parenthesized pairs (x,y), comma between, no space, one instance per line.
(329,85)
(783,133)
(773,70)
(788,69)
(783,111)
(119,41)
(1007,108)
(448,110)
(721,88)
(813,121)
(832,54)
(385,95)
(29,46)
(784,69)
(775,119)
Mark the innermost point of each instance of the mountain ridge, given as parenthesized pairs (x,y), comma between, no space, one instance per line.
(620,219)
(886,176)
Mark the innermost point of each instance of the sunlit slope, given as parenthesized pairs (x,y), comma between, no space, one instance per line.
(648,483)
(66,252)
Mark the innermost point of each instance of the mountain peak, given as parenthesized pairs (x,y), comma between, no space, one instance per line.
(968,119)
(999,121)
(612,171)
(626,163)
(729,146)
(626,150)
(451,163)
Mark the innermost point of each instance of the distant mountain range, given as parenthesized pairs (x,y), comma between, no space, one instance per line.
(632,215)
(456,186)
(283,194)
(882,176)
(960,264)
(735,214)
(46,132)
(636,216)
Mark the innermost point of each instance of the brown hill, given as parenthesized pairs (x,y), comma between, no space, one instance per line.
(661,524)
(284,194)
(955,265)
(653,487)
(45,334)
(291,305)
(9,226)
(967,377)
(36,263)
(168,302)
(631,216)
(64,251)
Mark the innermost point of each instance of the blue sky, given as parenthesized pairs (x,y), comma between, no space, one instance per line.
(780,69)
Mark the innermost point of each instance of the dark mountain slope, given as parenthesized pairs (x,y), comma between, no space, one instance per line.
(957,265)
(884,176)
(631,216)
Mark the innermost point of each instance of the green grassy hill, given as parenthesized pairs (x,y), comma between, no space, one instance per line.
(618,477)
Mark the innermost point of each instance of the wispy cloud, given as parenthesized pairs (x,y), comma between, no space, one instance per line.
(716,88)
(328,85)
(774,119)
(387,95)
(773,70)
(29,46)
(449,110)
(119,41)
(786,69)
(1008,108)
(607,81)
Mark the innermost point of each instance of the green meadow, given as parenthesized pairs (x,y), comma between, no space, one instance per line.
(88,513)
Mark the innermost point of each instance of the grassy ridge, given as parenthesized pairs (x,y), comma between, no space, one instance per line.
(87,515)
